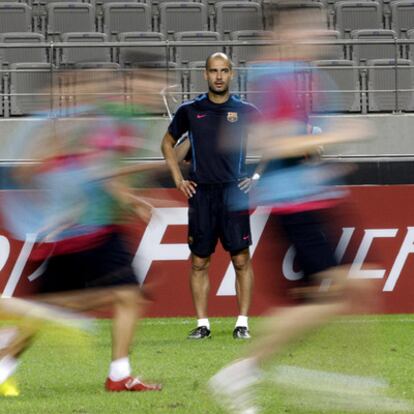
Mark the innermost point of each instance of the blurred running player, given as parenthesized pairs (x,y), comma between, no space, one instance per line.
(299,192)
(89,266)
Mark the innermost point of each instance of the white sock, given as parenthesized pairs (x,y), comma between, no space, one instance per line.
(8,366)
(242,321)
(119,369)
(203,322)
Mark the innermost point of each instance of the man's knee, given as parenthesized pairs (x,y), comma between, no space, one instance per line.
(241,261)
(199,264)
(128,296)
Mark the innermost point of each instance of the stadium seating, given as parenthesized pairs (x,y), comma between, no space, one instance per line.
(381,76)
(126,17)
(330,51)
(246,53)
(15,17)
(186,54)
(314,7)
(340,81)
(361,53)
(234,15)
(196,82)
(9,56)
(244,21)
(356,15)
(182,17)
(410,48)
(402,17)
(68,17)
(138,55)
(76,55)
(39,12)
(29,80)
(99,9)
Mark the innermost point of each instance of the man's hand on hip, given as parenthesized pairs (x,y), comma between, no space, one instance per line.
(187,187)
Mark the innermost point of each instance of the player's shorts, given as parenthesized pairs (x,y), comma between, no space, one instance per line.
(307,232)
(211,217)
(107,265)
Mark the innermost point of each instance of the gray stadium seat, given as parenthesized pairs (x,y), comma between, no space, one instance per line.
(402,17)
(156,9)
(330,52)
(182,17)
(99,9)
(39,11)
(381,76)
(68,18)
(85,73)
(234,16)
(363,53)
(30,79)
(410,48)
(196,82)
(74,55)
(15,17)
(356,15)
(340,81)
(185,54)
(313,7)
(133,56)
(246,53)
(22,54)
(126,17)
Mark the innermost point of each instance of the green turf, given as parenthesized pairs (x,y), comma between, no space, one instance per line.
(63,373)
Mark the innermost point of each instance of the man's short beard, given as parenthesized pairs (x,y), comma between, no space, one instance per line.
(220,93)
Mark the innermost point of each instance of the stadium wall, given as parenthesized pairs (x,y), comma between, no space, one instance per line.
(381,231)
(376,226)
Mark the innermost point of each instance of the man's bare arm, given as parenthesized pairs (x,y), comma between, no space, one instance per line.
(167,147)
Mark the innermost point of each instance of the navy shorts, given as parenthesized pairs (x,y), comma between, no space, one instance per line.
(212,216)
(106,265)
(309,234)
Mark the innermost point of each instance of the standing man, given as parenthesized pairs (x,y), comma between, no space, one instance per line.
(216,126)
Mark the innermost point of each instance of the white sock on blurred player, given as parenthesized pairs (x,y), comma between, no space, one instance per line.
(203,322)
(8,366)
(119,369)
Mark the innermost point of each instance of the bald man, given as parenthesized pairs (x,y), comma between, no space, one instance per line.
(216,125)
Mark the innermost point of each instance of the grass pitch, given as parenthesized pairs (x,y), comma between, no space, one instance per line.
(63,373)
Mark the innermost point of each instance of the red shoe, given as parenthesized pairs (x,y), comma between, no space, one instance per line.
(130,384)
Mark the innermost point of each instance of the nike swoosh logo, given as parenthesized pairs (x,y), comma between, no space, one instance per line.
(246,238)
(201,116)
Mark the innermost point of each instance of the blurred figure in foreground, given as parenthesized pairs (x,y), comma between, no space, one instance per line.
(299,193)
(72,203)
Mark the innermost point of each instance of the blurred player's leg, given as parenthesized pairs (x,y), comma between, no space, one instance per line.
(126,312)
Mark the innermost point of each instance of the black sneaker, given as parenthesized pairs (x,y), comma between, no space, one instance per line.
(202,332)
(241,332)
